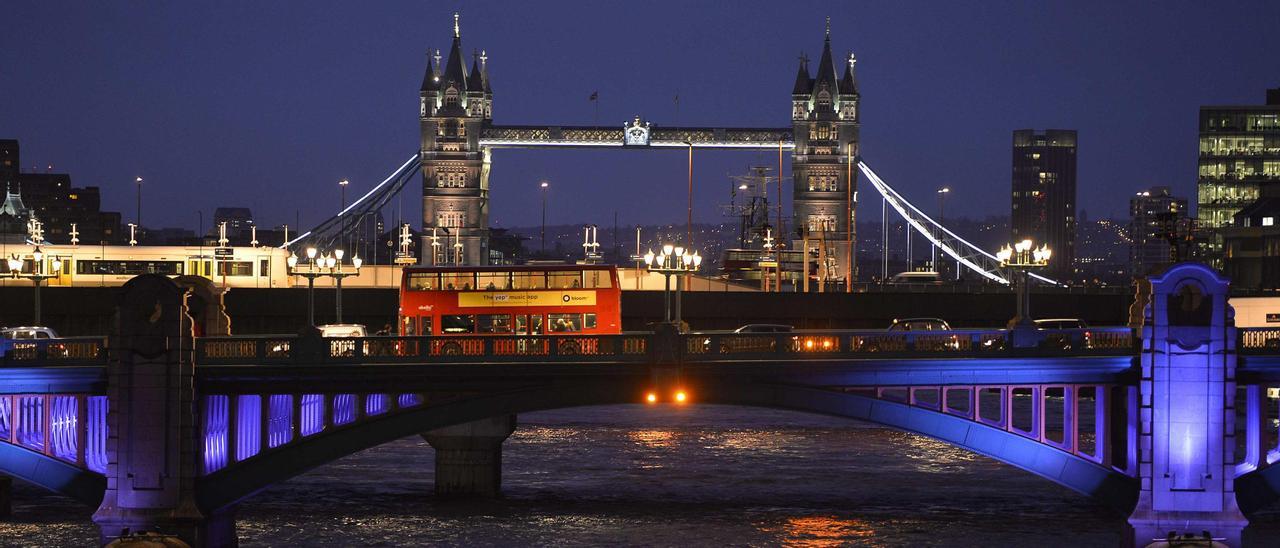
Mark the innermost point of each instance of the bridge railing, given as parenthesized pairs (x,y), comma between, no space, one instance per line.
(463,349)
(53,352)
(822,344)
(1259,340)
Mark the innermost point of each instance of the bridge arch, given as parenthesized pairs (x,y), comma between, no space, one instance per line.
(55,475)
(242,480)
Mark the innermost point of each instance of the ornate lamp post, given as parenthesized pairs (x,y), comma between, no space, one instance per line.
(37,275)
(1021,258)
(321,265)
(672,260)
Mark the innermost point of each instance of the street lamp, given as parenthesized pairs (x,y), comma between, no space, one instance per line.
(320,265)
(138,180)
(37,275)
(677,261)
(544,185)
(1021,258)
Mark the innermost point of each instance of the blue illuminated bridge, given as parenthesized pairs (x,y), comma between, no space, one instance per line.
(1168,422)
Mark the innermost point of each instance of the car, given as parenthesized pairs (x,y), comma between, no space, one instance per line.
(30,332)
(764,328)
(1061,323)
(342,331)
(919,324)
(12,338)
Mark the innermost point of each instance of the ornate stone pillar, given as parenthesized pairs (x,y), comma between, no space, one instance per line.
(469,456)
(1186,410)
(151,445)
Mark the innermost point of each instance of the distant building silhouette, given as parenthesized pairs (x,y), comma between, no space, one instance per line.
(57,204)
(1044,194)
(1156,217)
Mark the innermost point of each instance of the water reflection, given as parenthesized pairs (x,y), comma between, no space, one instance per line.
(824,531)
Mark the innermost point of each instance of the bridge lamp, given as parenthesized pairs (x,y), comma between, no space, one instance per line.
(15,265)
(357,261)
(681,396)
(311,253)
(667,249)
(651,398)
(38,255)
(292,261)
(330,261)
(648,258)
(338,253)
(1022,257)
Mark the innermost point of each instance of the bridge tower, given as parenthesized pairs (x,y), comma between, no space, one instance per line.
(1186,419)
(825,122)
(456,104)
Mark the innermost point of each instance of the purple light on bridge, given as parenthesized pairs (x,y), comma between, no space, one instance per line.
(95,451)
(312,414)
(215,432)
(30,423)
(409,400)
(63,416)
(6,418)
(344,409)
(280,420)
(248,428)
(376,404)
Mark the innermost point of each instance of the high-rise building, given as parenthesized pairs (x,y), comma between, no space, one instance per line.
(1239,154)
(1156,218)
(239,221)
(455,106)
(1044,194)
(825,122)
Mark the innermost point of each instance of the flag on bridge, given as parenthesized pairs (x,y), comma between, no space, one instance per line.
(595,96)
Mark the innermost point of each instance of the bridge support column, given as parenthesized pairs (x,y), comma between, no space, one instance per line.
(6,496)
(469,457)
(151,442)
(1186,410)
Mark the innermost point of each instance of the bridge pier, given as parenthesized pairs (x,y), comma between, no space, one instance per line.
(469,457)
(151,446)
(1186,414)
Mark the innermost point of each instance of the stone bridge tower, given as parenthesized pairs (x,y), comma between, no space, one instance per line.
(824,117)
(456,104)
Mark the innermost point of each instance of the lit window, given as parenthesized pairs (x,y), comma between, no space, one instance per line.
(1268,221)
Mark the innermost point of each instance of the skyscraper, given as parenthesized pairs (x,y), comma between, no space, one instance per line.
(1155,217)
(1239,154)
(1044,194)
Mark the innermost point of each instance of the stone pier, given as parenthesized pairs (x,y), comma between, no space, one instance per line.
(469,457)
(151,446)
(1186,423)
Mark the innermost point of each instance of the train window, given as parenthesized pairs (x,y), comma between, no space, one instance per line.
(494,323)
(564,280)
(424,281)
(457,324)
(264,267)
(529,280)
(597,279)
(129,268)
(235,268)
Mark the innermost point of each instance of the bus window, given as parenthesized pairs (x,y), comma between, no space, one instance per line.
(494,323)
(457,281)
(424,325)
(458,324)
(493,280)
(565,323)
(529,280)
(407,328)
(424,281)
(589,320)
(528,324)
(564,280)
(597,279)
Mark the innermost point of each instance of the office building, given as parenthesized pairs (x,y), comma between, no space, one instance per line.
(1239,155)
(1157,223)
(1044,194)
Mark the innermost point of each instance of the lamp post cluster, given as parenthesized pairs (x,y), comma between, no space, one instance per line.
(1022,257)
(672,260)
(320,265)
(38,274)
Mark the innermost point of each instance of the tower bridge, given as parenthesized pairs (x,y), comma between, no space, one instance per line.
(160,430)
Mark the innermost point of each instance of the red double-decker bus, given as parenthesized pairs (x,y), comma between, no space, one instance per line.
(510,300)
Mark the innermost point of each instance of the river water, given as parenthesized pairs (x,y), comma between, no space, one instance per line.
(662,476)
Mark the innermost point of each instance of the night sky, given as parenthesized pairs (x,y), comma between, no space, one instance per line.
(268,105)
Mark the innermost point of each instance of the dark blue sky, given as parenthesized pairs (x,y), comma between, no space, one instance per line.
(267,105)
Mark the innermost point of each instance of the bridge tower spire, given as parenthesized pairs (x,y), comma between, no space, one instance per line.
(825,123)
(456,105)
